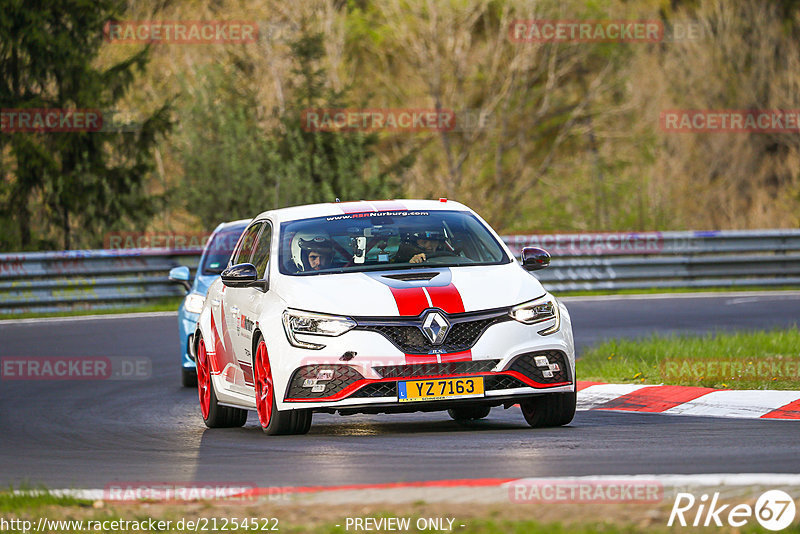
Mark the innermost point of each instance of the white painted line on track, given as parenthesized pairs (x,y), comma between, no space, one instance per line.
(597,395)
(761,295)
(99,317)
(742,404)
(499,491)
(713,479)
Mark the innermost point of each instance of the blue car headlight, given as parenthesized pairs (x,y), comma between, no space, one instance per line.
(194,303)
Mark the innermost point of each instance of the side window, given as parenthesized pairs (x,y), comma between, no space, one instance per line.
(246,245)
(261,255)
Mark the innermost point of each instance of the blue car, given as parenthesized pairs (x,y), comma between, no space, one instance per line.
(214,260)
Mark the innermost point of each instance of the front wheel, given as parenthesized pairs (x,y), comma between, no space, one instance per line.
(214,415)
(273,421)
(553,409)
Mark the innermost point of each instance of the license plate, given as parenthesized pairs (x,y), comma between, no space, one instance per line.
(444,388)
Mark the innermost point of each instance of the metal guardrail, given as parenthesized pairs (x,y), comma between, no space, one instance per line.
(646,260)
(102,279)
(88,279)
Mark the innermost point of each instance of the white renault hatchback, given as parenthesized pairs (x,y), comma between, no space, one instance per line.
(380,307)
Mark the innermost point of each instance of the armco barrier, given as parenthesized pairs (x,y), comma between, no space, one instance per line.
(646,260)
(98,279)
(88,279)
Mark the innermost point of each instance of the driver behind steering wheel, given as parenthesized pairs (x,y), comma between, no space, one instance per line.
(423,245)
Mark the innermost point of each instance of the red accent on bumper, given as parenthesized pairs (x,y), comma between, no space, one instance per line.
(421,358)
(464,356)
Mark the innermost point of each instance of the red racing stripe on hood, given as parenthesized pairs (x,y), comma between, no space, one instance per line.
(446,298)
(409,300)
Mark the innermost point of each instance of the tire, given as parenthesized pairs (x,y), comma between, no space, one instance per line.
(469,413)
(214,415)
(273,421)
(554,409)
(188,377)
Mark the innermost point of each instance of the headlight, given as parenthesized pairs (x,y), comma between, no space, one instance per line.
(315,324)
(538,311)
(194,303)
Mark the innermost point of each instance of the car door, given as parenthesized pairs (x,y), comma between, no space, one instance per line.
(231,303)
(248,301)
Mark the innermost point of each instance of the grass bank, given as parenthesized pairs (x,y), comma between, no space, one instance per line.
(738,360)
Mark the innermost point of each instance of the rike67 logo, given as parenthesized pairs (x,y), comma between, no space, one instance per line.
(774,510)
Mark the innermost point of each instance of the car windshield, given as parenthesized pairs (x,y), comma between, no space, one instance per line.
(219,249)
(386,240)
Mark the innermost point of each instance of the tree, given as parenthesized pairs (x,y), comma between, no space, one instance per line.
(236,168)
(321,165)
(88,180)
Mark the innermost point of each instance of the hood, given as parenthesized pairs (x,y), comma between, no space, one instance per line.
(202,282)
(410,291)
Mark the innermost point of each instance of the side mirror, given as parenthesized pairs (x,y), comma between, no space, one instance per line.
(181,275)
(534,258)
(241,275)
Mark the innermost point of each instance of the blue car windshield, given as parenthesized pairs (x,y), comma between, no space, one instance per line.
(218,250)
(386,240)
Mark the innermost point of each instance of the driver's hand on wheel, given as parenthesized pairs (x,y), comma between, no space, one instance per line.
(418,258)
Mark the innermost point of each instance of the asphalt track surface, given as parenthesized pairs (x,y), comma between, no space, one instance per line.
(87,434)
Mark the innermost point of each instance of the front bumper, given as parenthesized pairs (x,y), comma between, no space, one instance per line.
(363,368)
(526,374)
(187,323)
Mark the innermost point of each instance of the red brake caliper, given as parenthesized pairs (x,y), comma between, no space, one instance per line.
(203,379)
(263,385)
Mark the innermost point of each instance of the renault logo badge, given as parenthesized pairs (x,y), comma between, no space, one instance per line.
(435,327)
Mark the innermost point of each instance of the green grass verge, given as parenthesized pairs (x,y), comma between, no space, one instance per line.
(156,305)
(657,291)
(740,360)
(30,500)
(31,505)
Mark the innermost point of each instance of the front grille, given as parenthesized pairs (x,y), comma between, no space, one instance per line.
(416,370)
(343,376)
(378,389)
(526,365)
(408,337)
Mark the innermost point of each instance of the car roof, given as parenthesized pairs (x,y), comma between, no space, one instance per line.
(360,206)
(232,224)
